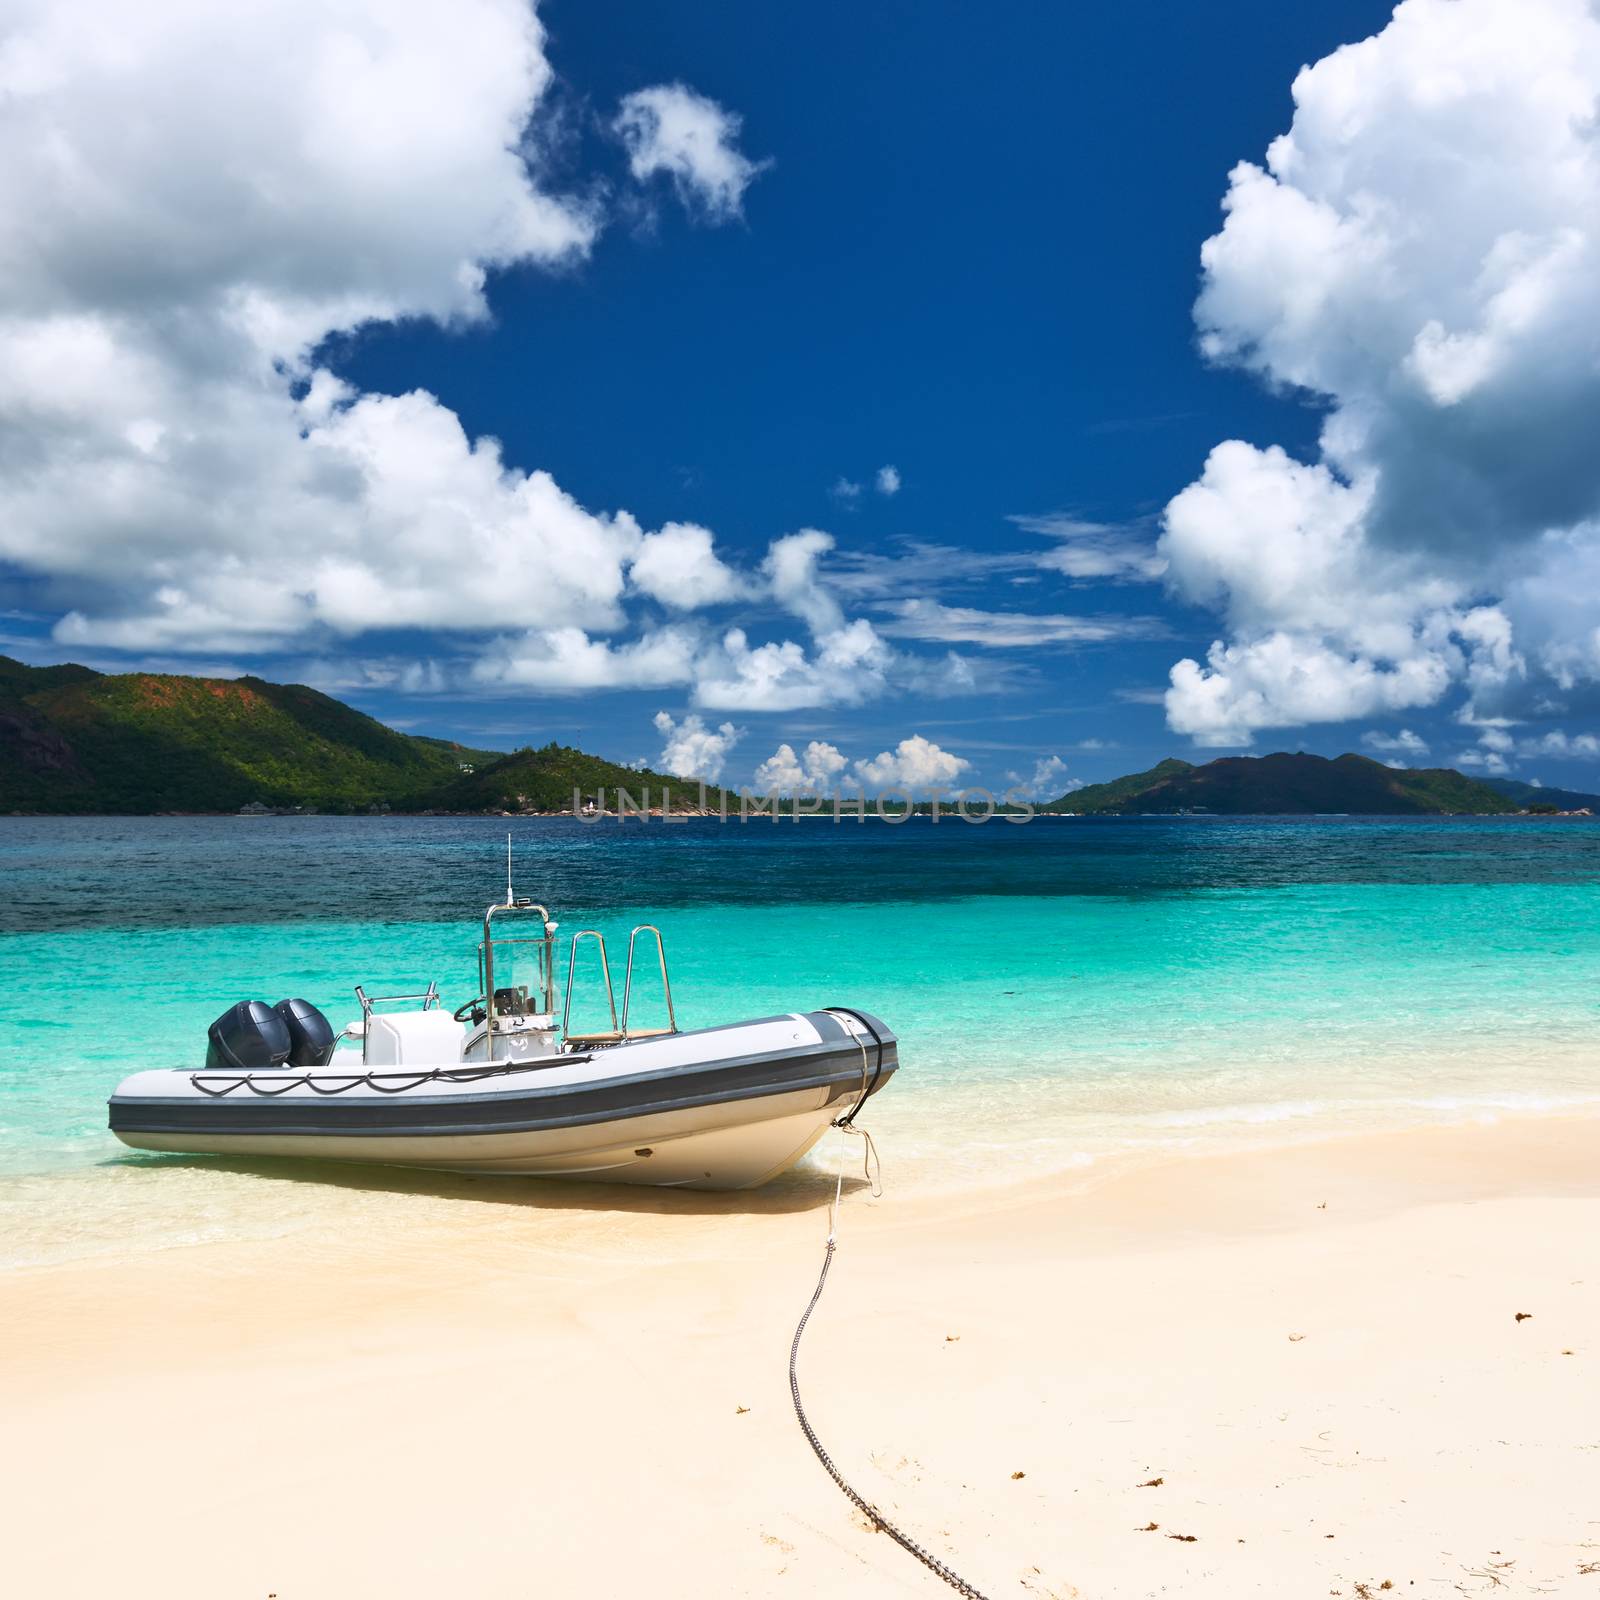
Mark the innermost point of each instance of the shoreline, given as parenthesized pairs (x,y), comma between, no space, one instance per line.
(67,1213)
(63,1213)
(1304,1339)
(1036,813)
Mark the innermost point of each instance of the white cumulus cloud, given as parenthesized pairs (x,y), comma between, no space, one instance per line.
(1416,251)
(847,665)
(1047,781)
(1491,762)
(915,763)
(888,480)
(813,773)
(680,567)
(567,661)
(172,458)
(1558,742)
(693,750)
(843,661)
(791,570)
(670,129)
(1280,678)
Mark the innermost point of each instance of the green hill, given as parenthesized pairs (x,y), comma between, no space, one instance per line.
(77,741)
(546,779)
(1286,784)
(1108,796)
(1537,794)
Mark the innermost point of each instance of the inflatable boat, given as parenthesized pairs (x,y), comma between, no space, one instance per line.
(503,1085)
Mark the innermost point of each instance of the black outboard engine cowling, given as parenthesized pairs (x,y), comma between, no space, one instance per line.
(248,1037)
(311,1036)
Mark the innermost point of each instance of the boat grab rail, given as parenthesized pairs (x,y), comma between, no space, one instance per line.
(605,972)
(429,997)
(666,982)
(619,1032)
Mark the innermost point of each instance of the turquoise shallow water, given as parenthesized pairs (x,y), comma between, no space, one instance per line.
(1061,990)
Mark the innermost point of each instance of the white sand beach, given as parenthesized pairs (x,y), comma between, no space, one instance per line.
(1357,1367)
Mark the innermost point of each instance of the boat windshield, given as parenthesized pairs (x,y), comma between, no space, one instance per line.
(523,982)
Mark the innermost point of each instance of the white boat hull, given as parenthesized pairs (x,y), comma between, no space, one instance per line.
(677,1149)
(725,1108)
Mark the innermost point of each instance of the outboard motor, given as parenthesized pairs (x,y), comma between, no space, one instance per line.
(248,1037)
(311,1036)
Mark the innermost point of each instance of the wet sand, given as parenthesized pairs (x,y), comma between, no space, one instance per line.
(1318,1369)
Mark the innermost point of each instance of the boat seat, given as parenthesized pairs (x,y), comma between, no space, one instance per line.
(412,1038)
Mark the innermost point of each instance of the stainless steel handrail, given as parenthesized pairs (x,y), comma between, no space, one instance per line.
(666,983)
(429,997)
(605,970)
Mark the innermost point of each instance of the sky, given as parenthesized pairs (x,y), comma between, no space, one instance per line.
(890,394)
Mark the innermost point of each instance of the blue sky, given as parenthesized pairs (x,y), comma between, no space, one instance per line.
(963,245)
(974,258)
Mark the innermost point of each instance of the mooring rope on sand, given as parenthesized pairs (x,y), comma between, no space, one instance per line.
(846,1124)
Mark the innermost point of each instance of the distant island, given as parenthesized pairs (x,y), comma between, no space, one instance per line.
(78,742)
(1307,785)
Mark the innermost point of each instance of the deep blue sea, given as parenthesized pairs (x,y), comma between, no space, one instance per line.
(1062,990)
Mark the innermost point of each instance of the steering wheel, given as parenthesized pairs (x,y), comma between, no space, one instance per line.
(470,1009)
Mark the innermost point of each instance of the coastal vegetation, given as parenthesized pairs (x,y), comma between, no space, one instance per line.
(1543,797)
(1289,784)
(75,741)
(545,779)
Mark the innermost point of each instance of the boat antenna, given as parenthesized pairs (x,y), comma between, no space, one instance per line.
(508,869)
